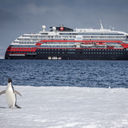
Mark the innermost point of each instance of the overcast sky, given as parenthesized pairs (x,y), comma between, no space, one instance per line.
(27,16)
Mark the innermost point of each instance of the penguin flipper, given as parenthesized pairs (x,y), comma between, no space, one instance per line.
(18,93)
(2,92)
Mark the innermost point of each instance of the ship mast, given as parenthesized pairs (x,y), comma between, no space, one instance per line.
(101,25)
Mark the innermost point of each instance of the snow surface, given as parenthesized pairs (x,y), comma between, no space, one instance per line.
(66,107)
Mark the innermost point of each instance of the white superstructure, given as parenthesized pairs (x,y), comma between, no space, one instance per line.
(60,33)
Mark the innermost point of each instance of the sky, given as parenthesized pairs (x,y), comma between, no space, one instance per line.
(27,16)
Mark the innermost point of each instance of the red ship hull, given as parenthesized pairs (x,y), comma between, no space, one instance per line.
(71,53)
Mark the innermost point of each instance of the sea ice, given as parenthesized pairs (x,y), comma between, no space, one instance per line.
(66,107)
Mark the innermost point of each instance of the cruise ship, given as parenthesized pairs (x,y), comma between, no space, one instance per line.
(64,43)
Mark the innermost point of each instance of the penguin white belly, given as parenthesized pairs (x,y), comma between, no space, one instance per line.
(10,98)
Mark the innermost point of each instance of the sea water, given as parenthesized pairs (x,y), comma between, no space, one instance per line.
(80,73)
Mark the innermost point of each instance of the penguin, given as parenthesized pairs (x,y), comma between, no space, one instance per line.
(11,95)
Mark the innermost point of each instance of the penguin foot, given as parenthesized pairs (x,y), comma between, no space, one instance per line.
(11,107)
(17,106)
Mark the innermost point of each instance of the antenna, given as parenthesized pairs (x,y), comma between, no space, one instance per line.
(113,28)
(101,25)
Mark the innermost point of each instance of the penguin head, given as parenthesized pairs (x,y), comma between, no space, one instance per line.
(9,80)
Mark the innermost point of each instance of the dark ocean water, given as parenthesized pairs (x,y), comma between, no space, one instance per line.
(65,73)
